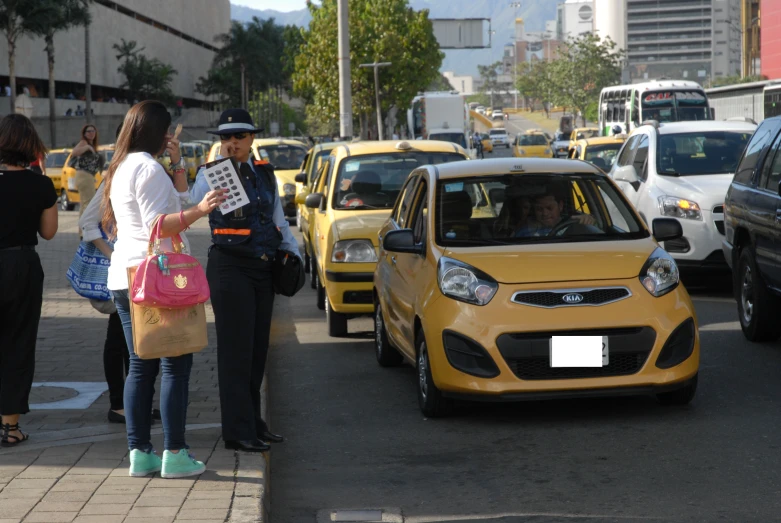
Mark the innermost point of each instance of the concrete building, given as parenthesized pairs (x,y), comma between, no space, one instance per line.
(770,35)
(464,84)
(574,18)
(537,45)
(697,40)
(177,32)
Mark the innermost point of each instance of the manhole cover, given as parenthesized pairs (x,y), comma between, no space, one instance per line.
(49,394)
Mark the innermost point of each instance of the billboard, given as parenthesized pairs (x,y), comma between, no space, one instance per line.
(464,33)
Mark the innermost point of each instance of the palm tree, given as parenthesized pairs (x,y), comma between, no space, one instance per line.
(55,16)
(14,14)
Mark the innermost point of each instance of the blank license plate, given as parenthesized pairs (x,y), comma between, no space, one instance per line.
(579,351)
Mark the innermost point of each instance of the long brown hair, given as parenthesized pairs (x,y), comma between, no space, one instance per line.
(144,130)
(94,143)
(20,144)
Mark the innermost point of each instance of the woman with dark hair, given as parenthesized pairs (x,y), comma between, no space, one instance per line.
(88,164)
(30,213)
(137,192)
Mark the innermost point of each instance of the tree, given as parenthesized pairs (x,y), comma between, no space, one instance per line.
(534,82)
(144,78)
(385,31)
(14,22)
(440,84)
(489,82)
(585,66)
(55,16)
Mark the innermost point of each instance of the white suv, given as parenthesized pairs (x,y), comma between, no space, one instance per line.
(499,136)
(683,170)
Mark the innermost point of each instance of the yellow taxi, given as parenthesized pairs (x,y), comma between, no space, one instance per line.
(532,144)
(55,162)
(488,145)
(189,151)
(286,156)
(315,160)
(566,293)
(69,194)
(214,152)
(353,197)
(582,133)
(601,151)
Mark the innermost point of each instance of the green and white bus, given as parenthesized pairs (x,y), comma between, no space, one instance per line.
(628,106)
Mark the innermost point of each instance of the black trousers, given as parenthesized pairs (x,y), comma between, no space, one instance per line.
(116,361)
(242,295)
(21,281)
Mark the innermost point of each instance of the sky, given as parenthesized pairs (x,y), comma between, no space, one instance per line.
(278,5)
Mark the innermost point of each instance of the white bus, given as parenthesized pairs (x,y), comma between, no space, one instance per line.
(753,101)
(627,106)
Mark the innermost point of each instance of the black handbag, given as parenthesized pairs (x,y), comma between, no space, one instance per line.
(288,273)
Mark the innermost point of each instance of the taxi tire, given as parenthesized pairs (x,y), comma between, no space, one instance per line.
(65,204)
(320,300)
(763,324)
(433,404)
(337,322)
(681,396)
(387,354)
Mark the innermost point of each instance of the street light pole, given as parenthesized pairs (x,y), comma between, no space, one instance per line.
(516,5)
(376,66)
(345,89)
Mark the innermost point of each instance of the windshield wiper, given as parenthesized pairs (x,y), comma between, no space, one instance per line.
(669,173)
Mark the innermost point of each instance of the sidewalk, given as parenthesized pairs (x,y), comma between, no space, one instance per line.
(74,467)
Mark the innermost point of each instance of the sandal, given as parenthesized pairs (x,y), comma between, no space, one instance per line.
(7,428)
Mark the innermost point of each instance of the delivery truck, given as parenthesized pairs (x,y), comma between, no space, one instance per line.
(440,116)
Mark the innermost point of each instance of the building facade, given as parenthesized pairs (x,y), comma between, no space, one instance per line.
(770,37)
(574,18)
(464,84)
(177,32)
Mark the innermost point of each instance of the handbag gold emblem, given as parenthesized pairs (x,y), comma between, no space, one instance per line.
(180,281)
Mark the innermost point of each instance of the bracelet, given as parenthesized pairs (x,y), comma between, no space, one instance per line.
(181,220)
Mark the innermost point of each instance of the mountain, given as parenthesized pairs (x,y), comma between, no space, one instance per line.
(501,14)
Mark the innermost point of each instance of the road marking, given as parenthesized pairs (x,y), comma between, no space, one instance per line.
(86,394)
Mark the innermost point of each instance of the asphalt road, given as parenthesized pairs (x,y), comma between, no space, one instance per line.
(356,439)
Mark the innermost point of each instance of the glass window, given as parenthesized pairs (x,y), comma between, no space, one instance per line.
(622,107)
(536,208)
(712,152)
(283,157)
(403,203)
(532,139)
(640,157)
(56,160)
(762,138)
(419,215)
(457,138)
(374,181)
(626,153)
(772,175)
(603,156)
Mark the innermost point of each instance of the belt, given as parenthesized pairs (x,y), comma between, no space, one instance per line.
(19,248)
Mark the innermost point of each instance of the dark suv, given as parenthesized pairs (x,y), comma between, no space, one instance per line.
(752,223)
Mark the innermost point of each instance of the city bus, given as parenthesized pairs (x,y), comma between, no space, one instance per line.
(628,106)
(752,101)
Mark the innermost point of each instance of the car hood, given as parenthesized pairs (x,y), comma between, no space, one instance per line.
(353,225)
(705,189)
(286,176)
(558,262)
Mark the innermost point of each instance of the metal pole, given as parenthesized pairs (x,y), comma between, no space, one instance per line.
(87,75)
(345,89)
(376,65)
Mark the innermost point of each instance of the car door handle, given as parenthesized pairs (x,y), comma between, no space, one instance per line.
(393,260)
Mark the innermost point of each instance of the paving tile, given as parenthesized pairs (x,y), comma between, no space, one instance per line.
(158,519)
(50,517)
(171,483)
(57,506)
(31,483)
(153,512)
(81,495)
(199,503)
(172,492)
(10,520)
(102,509)
(16,508)
(42,472)
(22,493)
(214,494)
(111,499)
(104,518)
(159,501)
(219,514)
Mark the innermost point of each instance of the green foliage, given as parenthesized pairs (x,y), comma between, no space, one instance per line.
(262,49)
(381,30)
(735,79)
(535,81)
(144,78)
(440,84)
(259,109)
(489,79)
(52,16)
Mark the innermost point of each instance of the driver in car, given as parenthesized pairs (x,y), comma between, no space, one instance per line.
(548,209)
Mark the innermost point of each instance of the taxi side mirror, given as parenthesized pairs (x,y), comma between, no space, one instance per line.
(314,201)
(301,178)
(666,229)
(401,240)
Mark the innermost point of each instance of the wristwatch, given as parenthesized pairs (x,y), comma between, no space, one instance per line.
(179,164)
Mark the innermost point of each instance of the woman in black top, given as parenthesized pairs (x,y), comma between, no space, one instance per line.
(30,212)
(88,163)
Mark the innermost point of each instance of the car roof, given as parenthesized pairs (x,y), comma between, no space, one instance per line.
(260,142)
(326,145)
(703,125)
(500,166)
(393,146)
(602,140)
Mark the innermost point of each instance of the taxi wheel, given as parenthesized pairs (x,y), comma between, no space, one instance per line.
(387,355)
(757,307)
(320,290)
(337,322)
(682,396)
(432,403)
(307,261)
(65,203)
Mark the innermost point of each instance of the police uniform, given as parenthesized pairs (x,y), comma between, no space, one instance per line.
(239,271)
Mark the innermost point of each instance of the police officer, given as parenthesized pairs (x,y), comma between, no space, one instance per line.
(239,271)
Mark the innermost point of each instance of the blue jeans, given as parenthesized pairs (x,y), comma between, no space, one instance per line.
(140,388)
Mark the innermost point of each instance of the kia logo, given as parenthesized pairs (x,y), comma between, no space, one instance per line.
(572,298)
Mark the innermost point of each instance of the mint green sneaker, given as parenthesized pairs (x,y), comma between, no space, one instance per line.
(143,463)
(181,465)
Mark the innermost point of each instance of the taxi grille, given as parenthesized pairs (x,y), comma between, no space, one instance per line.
(552,299)
(528,354)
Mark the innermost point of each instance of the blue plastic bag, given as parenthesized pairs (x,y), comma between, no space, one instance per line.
(88,272)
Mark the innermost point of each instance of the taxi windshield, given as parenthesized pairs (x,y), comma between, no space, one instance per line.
(532,139)
(373,181)
(283,157)
(188,151)
(603,155)
(56,159)
(532,208)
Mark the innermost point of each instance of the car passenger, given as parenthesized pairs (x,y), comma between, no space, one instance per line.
(515,215)
(548,213)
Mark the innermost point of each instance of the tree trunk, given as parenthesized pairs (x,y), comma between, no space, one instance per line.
(364,126)
(52,110)
(87,77)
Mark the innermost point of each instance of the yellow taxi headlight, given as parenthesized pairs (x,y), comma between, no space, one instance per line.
(354,251)
(660,273)
(463,282)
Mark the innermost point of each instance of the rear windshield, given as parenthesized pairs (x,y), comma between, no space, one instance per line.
(497,131)
(532,139)
(373,181)
(283,157)
(56,159)
(532,208)
(712,152)
(603,155)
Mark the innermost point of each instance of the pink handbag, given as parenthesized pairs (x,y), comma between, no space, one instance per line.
(169,280)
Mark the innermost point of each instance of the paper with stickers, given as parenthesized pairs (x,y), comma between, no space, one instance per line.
(223,174)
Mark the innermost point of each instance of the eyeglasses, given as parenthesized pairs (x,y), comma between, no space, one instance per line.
(238,136)
(90,131)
